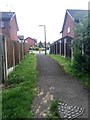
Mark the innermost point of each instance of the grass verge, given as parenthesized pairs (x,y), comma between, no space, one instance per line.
(53,112)
(20,90)
(66,64)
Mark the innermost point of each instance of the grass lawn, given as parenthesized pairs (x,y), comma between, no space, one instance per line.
(67,66)
(20,90)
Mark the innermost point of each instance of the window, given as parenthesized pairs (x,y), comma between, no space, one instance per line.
(68,29)
(2,25)
(65,40)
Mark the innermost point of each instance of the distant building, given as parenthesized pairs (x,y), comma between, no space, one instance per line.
(31,41)
(21,38)
(8,25)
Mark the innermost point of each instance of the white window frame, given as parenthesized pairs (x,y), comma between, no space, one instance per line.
(68,29)
(2,24)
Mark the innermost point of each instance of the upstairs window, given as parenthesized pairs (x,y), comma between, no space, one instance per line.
(2,24)
(68,30)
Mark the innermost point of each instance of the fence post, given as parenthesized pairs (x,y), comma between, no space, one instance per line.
(19,51)
(6,64)
(4,59)
(13,55)
(0,76)
(1,59)
(72,50)
(22,50)
(65,44)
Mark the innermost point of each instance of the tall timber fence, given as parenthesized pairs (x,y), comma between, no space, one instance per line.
(11,53)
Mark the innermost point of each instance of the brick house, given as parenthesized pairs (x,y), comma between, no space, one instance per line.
(8,25)
(31,41)
(63,45)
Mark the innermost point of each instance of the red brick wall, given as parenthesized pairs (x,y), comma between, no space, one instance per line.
(10,46)
(10,29)
(13,30)
(69,23)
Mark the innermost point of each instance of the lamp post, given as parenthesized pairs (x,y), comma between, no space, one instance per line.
(44,35)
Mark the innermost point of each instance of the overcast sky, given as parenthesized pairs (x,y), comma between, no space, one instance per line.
(32,13)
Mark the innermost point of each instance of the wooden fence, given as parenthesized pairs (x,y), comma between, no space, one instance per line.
(11,53)
(1,59)
(62,47)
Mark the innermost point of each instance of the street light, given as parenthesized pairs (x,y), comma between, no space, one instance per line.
(44,35)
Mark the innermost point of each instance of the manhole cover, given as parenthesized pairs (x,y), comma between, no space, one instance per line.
(68,111)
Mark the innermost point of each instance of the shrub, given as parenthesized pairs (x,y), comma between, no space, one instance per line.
(81,46)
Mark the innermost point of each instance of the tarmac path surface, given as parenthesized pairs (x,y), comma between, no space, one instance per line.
(54,83)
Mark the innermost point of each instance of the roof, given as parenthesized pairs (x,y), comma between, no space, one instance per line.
(63,38)
(31,39)
(7,16)
(76,15)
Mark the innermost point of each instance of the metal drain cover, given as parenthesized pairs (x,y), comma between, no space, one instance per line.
(68,111)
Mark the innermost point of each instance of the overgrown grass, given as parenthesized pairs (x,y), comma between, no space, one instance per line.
(20,90)
(67,66)
(53,112)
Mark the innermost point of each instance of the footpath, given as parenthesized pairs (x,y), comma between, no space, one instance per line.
(54,83)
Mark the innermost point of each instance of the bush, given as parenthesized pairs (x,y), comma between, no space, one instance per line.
(81,46)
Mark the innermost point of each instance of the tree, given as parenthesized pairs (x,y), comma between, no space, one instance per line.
(81,46)
(40,45)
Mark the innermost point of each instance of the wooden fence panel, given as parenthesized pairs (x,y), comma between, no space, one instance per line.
(20,51)
(10,46)
(16,52)
(68,49)
(26,48)
(11,53)
(62,48)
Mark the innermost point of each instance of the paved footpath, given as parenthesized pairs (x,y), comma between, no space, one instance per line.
(53,82)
